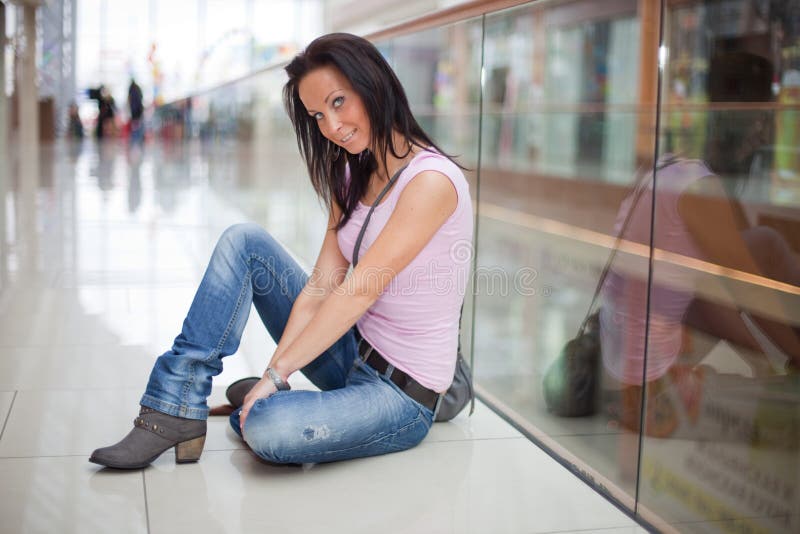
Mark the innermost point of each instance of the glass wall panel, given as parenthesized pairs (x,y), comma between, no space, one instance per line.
(721,448)
(440,71)
(568,118)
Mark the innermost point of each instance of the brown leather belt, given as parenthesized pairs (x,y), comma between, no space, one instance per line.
(412,388)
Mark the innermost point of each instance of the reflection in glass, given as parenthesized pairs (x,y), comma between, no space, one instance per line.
(722,390)
(563,101)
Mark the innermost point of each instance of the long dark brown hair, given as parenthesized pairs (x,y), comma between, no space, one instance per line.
(387,108)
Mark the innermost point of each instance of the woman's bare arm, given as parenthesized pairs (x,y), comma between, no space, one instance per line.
(424,205)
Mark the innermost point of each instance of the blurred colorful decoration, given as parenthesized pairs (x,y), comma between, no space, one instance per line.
(787,138)
(157,73)
(237,53)
(444,86)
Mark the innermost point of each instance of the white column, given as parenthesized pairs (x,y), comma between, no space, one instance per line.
(3,149)
(28,140)
(27,92)
(3,115)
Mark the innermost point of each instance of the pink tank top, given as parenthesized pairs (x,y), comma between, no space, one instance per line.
(414,323)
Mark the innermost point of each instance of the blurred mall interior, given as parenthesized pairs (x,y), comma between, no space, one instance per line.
(635,172)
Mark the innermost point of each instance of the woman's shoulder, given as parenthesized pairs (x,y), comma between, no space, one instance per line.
(436,176)
(430,159)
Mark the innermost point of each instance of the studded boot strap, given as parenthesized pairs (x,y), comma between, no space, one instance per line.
(150,423)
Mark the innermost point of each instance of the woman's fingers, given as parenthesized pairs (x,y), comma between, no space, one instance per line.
(248,403)
(263,389)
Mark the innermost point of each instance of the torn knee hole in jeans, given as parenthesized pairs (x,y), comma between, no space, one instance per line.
(312,433)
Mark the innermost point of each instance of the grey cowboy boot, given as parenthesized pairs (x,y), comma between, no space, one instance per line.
(153,433)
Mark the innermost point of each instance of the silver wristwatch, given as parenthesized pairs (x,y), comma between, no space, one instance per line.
(280,384)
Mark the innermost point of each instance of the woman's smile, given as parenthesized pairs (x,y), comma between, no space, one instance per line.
(349,136)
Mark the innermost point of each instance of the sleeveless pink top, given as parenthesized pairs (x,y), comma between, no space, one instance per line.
(414,323)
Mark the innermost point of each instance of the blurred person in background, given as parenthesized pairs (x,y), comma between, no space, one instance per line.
(74,124)
(136,108)
(106,110)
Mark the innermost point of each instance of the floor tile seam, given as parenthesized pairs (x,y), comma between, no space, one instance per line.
(742,518)
(116,285)
(157,274)
(105,223)
(146,508)
(99,389)
(559,435)
(90,221)
(588,435)
(471,440)
(61,275)
(3,457)
(631,524)
(8,415)
(193,283)
(61,272)
(78,388)
(59,346)
(78,345)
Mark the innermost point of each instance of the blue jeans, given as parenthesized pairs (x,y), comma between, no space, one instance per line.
(358,412)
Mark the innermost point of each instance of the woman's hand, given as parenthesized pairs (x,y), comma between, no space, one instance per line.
(263,389)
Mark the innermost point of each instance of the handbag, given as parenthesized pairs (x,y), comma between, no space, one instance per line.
(570,384)
(461,391)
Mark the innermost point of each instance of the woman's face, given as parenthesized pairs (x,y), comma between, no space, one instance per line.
(338,110)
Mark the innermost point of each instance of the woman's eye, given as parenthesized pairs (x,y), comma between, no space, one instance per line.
(338,101)
(317,116)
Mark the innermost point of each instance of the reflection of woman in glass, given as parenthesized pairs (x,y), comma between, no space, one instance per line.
(356,132)
(696,215)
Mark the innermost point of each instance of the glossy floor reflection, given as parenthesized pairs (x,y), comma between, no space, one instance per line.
(100,260)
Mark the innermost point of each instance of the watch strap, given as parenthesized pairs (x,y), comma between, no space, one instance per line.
(280,383)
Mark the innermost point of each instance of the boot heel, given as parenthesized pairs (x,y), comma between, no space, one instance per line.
(189,451)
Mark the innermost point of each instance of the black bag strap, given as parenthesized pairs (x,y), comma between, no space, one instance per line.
(639,187)
(377,201)
(357,248)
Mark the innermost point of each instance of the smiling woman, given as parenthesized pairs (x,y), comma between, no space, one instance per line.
(340,86)
(344,115)
(381,349)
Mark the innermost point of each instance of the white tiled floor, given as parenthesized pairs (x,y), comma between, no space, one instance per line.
(91,294)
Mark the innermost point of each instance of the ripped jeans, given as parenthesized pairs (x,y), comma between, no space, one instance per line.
(358,411)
